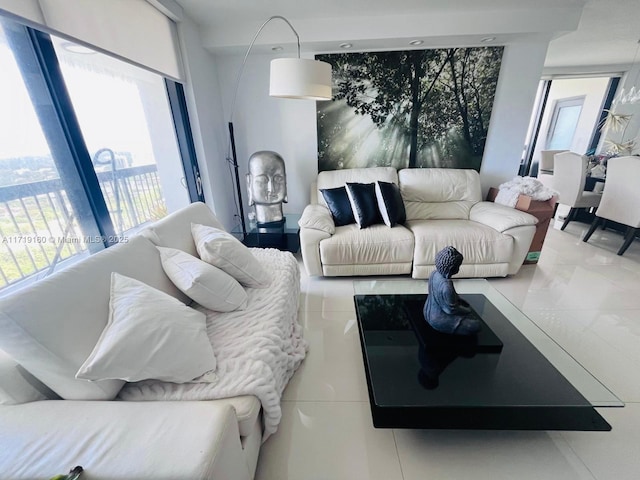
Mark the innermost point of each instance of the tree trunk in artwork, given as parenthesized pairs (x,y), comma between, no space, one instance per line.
(462,108)
(416,104)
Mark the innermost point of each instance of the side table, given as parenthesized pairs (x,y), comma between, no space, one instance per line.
(282,236)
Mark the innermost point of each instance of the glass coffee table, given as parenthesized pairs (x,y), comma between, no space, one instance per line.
(511,377)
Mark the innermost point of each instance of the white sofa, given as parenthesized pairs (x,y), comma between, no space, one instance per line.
(443,206)
(50,421)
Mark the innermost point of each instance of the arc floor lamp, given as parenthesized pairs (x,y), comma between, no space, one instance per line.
(298,78)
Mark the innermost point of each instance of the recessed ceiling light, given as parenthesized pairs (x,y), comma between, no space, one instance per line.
(487,39)
(277,49)
(76,48)
(416,42)
(346,45)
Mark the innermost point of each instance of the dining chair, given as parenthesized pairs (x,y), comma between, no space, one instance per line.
(569,176)
(620,198)
(547,160)
(546,166)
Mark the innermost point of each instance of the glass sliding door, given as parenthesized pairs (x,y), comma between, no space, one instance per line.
(45,216)
(91,150)
(126,122)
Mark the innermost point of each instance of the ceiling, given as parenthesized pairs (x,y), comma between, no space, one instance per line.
(583,33)
(608,33)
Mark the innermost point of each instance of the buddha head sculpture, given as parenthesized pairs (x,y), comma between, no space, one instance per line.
(267,186)
(448,261)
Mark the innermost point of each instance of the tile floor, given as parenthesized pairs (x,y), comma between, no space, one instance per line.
(583,295)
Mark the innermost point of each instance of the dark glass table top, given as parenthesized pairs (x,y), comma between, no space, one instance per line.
(289,225)
(500,375)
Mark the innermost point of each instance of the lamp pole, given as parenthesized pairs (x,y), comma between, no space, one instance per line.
(234,159)
(232,139)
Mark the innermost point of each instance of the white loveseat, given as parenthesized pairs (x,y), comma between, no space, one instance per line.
(49,328)
(443,207)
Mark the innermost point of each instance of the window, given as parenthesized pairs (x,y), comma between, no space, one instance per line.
(564,122)
(88,152)
(126,124)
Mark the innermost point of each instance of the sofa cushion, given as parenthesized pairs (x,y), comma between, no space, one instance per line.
(172,230)
(146,337)
(439,193)
(53,336)
(377,244)
(364,204)
(339,205)
(121,440)
(202,282)
(339,178)
(478,243)
(390,203)
(226,252)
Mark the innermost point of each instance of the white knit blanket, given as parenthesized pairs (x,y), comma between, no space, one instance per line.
(257,349)
(511,190)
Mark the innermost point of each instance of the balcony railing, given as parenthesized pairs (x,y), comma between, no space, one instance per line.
(38,229)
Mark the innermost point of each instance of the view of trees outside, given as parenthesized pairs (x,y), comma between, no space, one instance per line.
(418,108)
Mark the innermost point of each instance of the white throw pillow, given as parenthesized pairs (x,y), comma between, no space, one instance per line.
(209,286)
(149,335)
(224,251)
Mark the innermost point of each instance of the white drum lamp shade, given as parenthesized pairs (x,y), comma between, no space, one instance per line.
(290,78)
(300,78)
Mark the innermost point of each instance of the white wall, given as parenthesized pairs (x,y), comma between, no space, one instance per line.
(289,126)
(517,85)
(594,90)
(207,123)
(262,122)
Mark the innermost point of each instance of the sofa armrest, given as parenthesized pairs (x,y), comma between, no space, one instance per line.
(500,217)
(317,217)
(316,224)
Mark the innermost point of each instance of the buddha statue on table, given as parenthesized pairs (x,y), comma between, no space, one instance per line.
(267,186)
(444,310)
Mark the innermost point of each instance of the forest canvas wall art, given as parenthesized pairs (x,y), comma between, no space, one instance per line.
(417,108)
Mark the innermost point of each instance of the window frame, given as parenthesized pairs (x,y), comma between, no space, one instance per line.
(44,80)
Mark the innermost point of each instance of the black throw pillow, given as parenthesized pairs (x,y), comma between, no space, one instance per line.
(364,203)
(339,205)
(390,203)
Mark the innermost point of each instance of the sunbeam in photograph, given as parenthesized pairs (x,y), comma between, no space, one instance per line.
(418,108)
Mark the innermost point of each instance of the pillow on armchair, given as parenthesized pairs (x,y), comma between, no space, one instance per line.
(339,205)
(390,203)
(364,203)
